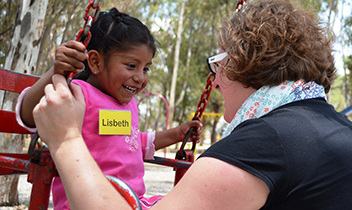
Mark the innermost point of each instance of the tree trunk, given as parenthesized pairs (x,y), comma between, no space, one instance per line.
(24,47)
(175,69)
(345,85)
(23,53)
(188,63)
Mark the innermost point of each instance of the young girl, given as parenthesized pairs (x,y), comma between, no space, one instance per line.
(116,65)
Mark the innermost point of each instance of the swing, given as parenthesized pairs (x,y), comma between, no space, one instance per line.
(38,163)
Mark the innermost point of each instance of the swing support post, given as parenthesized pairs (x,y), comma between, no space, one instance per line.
(40,174)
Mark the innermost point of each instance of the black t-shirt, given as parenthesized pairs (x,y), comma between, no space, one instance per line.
(302,151)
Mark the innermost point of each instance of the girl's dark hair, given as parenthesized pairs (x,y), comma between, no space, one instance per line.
(270,42)
(115,31)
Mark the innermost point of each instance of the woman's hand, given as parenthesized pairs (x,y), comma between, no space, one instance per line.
(59,118)
(69,57)
(59,114)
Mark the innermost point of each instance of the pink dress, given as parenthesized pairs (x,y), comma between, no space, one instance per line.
(120,156)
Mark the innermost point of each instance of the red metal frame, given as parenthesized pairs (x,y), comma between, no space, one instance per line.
(13,163)
(40,174)
(147,94)
(13,82)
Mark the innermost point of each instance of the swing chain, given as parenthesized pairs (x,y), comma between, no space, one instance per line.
(239,5)
(84,35)
(181,153)
(206,94)
(205,97)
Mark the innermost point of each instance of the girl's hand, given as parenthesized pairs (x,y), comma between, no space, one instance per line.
(69,57)
(171,136)
(196,134)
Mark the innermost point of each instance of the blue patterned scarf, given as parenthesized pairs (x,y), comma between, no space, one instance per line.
(268,98)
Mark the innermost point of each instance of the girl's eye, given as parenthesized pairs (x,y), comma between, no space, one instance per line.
(132,66)
(146,69)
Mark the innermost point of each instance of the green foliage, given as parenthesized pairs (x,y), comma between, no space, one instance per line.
(348,63)
(336,94)
(348,29)
(201,22)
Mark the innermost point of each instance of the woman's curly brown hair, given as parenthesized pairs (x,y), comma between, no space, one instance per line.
(271,42)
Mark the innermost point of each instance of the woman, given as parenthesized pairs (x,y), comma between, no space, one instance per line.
(286,147)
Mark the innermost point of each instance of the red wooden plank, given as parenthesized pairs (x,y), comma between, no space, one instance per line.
(15,81)
(8,123)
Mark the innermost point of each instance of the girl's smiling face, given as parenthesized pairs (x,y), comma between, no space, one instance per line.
(124,75)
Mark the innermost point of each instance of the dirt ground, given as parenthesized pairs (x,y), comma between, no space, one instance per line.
(159,180)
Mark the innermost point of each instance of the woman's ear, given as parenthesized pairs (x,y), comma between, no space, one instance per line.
(94,60)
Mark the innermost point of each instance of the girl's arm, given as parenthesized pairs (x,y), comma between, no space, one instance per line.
(68,57)
(32,97)
(174,135)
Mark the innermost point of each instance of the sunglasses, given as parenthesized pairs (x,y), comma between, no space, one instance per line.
(213,62)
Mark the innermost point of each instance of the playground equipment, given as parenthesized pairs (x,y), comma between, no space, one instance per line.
(38,163)
(147,94)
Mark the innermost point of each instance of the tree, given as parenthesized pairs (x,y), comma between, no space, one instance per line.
(184,49)
(22,57)
(7,7)
(176,61)
(346,40)
(198,42)
(24,46)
